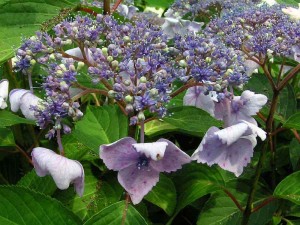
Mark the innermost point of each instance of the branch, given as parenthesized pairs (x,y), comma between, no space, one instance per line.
(289,77)
(118,2)
(185,87)
(230,195)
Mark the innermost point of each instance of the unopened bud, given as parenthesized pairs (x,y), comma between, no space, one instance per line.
(111,93)
(182,63)
(128,98)
(109,58)
(32,62)
(143,79)
(153,91)
(80,65)
(114,63)
(141,116)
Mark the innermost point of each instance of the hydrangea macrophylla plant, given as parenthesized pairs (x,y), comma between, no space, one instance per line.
(64,171)
(139,164)
(3,93)
(231,148)
(25,101)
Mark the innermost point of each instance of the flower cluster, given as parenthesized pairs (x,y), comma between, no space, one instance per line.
(257,29)
(196,7)
(209,61)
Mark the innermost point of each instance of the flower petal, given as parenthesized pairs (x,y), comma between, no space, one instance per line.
(63,170)
(173,158)
(119,154)
(14,98)
(28,100)
(4,88)
(209,149)
(231,134)
(155,150)
(194,96)
(232,157)
(236,156)
(253,102)
(138,182)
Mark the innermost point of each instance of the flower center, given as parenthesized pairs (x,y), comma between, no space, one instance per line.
(143,162)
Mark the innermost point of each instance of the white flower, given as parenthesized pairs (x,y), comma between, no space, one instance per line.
(3,93)
(292,12)
(63,170)
(24,100)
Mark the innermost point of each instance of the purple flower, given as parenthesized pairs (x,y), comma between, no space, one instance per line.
(63,170)
(230,148)
(3,93)
(240,108)
(139,164)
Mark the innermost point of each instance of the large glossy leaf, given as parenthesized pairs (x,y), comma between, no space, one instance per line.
(43,185)
(191,120)
(194,181)
(98,194)
(22,18)
(117,214)
(287,102)
(163,194)
(289,188)
(7,119)
(293,121)
(101,125)
(22,206)
(220,209)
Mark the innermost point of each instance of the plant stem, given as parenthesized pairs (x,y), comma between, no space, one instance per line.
(106,7)
(289,77)
(142,131)
(118,2)
(127,201)
(60,146)
(269,141)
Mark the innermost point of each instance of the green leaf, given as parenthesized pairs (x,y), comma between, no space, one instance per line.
(294,150)
(101,125)
(287,102)
(6,137)
(194,181)
(43,185)
(22,206)
(117,214)
(19,18)
(157,127)
(293,121)
(220,209)
(8,119)
(191,120)
(289,188)
(97,195)
(77,150)
(163,195)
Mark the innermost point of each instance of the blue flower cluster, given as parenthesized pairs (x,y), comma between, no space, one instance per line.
(259,29)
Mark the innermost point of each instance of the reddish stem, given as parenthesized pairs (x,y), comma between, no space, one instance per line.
(87,10)
(264,203)
(118,2)
(127,201)
(230,195)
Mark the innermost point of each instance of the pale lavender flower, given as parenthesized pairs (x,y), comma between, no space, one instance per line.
(3,93)
(24,100)
(139,164)
(63,170)
(200,97)
(293,13)
(243,107)
(175,25)
(230,148)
